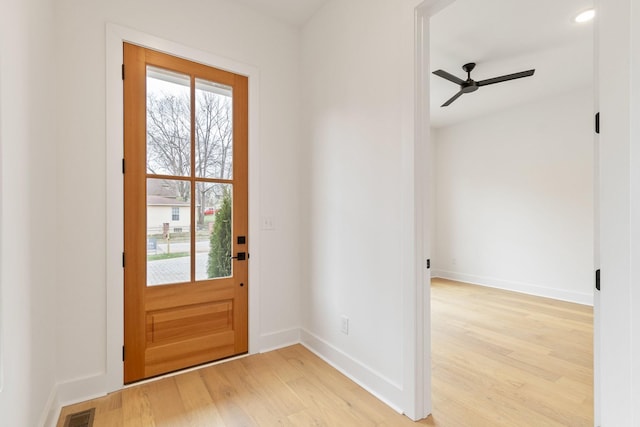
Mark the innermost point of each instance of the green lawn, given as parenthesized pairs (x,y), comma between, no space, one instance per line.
(167,256)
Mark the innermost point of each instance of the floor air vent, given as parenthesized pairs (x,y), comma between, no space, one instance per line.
(80,419)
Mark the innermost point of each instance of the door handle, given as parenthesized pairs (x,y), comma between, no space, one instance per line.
(240,257)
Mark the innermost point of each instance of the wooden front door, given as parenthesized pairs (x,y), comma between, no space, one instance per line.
(186,213)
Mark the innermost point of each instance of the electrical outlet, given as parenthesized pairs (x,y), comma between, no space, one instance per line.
(454,261)
(344,325)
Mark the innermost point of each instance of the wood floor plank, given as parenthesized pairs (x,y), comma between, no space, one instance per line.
(200,408)
(166,404)
(499,359)
(137,408)
(233,400)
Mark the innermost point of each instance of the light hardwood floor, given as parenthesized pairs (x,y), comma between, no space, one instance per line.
(508,359)
(499,359)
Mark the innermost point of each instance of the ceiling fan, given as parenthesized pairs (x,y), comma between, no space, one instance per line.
(470,85)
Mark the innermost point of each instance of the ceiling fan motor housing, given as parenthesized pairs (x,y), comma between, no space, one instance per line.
(469,86)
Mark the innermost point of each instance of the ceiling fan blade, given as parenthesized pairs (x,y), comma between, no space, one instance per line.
(453,98)
(448,76)
(506,78)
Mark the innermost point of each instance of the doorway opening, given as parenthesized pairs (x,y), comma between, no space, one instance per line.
(513,187)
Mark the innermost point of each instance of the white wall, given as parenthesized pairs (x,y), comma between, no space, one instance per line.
(357,66)
(28,211)
(224,29)
(514,204)
(634,196)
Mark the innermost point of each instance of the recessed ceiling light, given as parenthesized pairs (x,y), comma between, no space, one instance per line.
(585,16)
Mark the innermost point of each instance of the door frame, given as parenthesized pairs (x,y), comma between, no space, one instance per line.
(417,361)
(116,35)
(618,100)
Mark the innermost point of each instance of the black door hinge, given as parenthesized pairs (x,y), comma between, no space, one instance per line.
(428,264)
(122,259)
(122,165)
(598,122)
(598,279)
(123,353)
(122,71)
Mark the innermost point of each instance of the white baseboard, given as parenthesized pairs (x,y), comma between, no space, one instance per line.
(82,389)
(70,392)
(51,411)
(375,383)
(525,288)
(279,339)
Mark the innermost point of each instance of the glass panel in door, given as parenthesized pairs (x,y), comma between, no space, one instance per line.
(168,231)
(214,130)
(215,228)
(168,122)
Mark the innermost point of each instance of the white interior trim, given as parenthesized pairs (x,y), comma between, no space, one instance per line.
(279,339)
(1,245)
(417,372)
(521,287)
(115,36)
(366,377)
(51,412)
(417,297)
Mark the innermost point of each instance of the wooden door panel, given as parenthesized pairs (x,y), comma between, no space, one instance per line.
(178,355)
(198,311)
(181,323)
(163,297)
